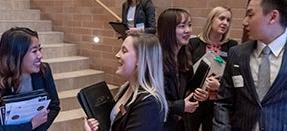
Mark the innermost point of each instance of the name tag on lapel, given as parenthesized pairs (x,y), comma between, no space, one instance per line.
(223,54)
(236,66)
(238,81)
(140,26)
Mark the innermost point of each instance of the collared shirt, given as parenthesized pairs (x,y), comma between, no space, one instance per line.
(276,56)
(131,16)
(121,101)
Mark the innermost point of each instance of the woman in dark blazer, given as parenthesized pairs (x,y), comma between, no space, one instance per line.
(22,71)
(174,31)
(141,104)
(139,15)
(214,37)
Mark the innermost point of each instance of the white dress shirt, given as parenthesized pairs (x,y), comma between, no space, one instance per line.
(276,56)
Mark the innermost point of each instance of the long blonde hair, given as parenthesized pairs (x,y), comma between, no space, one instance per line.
(215,12)
(149,68)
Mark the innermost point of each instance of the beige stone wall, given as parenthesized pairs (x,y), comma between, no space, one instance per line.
(81,20)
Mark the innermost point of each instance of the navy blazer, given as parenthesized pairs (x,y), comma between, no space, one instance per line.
(238,107)
(145,13)
(41,81)
(144,114)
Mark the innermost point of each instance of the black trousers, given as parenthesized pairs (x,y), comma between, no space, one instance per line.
(173,123)
(203,115)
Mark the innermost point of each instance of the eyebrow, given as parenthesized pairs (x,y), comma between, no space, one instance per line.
(248,11)
(36,46)
(185,22)
(124,48)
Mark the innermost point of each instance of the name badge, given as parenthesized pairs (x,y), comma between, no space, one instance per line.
(140,26)
(223,54)
(238,81)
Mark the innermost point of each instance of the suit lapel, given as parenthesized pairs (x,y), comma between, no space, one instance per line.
(136,19)
(244,63)
(121,112)
(281,77)
(125,8)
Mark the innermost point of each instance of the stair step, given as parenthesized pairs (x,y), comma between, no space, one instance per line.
(67,64)
(69,98)
(51,37)
(71,114)
(37,25)
(19,15)
(73,92)
(59,50)
(70,72)
(71,120)
(14,4)
(77,79)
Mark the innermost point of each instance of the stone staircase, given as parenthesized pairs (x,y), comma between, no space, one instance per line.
(71,72)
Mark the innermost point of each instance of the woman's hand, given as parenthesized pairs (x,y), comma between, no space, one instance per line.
(91,124)
(190,106)
(135,30)
(40,118)
(212,87)
(200,94)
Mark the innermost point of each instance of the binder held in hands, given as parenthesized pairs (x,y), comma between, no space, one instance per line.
(23,96)
(215,62)
(97,102)
(21,108)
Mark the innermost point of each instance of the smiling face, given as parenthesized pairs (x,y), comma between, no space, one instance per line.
(183,30)
(127,59)
(221,23)
(32,59)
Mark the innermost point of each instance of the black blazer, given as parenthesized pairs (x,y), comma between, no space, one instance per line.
(198,48)
(41,81)
(145,13)
(175,87)
(144,114)
(238,107)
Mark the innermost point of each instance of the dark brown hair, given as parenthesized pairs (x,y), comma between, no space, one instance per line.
(280,5)
(167,22)
(14,45)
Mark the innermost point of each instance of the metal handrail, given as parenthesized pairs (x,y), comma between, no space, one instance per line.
(109,10)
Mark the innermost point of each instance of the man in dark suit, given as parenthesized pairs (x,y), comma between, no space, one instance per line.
(253,92)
